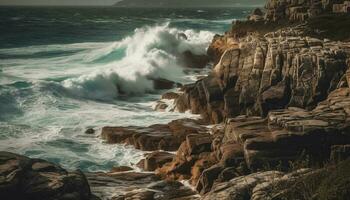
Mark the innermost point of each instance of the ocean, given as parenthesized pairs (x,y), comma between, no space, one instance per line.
(64,70)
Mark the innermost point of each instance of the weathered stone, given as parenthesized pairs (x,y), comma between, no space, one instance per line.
(192,60)
(240,188)
(166,137)
(121,169)
(90,131)
(156,160)
(170,95)
(25,178)
(262,73)
(207,178)
(136,185)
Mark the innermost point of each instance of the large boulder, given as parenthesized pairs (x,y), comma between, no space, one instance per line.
(191,60)
(192,158)
(155,160)
(22,178)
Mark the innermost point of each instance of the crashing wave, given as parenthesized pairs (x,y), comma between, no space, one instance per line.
(150,53)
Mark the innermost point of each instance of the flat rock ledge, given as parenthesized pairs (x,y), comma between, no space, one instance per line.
(167,137)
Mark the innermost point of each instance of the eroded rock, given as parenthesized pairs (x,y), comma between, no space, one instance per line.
(167,137)
(35,179)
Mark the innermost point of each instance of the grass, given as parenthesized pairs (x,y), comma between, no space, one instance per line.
(332,182)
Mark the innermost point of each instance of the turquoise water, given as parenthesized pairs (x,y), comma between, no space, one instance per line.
(63,70)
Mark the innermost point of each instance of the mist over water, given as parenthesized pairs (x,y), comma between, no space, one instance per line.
(63,70)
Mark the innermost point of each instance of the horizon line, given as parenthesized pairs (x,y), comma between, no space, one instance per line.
(115,6)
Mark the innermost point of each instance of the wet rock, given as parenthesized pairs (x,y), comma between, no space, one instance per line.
(204,97)
(163,84)
(170,95)
(90,131)
(160,106)
(155,160)
(192,60)
(167,137)
(182,36)
(25,178)
(121,169)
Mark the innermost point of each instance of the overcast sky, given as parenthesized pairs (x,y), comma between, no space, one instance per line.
(58,2)
(76,2)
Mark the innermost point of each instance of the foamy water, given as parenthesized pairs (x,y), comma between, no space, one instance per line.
(51,93)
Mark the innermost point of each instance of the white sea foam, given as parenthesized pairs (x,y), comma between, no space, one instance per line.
(150,53)
(42,121)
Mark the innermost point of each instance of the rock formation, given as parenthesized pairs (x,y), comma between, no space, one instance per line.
(167,137)
(279,99)
(280,69)
(294,10)
(22,178)
(137,185)
(279,104)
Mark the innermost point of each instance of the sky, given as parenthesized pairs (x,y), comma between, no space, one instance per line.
(58,2)
(77,2)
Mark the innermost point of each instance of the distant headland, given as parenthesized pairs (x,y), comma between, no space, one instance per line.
(186,3)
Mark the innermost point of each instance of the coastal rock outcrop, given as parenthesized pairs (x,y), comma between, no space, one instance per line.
(301,10)
(250,144)
(278,98)
(167,137)
(23,178)
(281,69)
(155,160)
(136,185)
(313,133)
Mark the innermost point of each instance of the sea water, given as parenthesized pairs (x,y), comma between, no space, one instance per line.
(64,70)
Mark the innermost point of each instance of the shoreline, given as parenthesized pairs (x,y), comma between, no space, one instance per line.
(275,122)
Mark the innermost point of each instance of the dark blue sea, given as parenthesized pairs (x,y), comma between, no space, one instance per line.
(64,70)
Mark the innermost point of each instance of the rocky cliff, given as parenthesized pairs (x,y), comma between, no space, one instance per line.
(300,10)
(262,73)
(279,99)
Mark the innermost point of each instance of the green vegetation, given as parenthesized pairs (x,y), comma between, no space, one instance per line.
(332,182)
(336,185)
